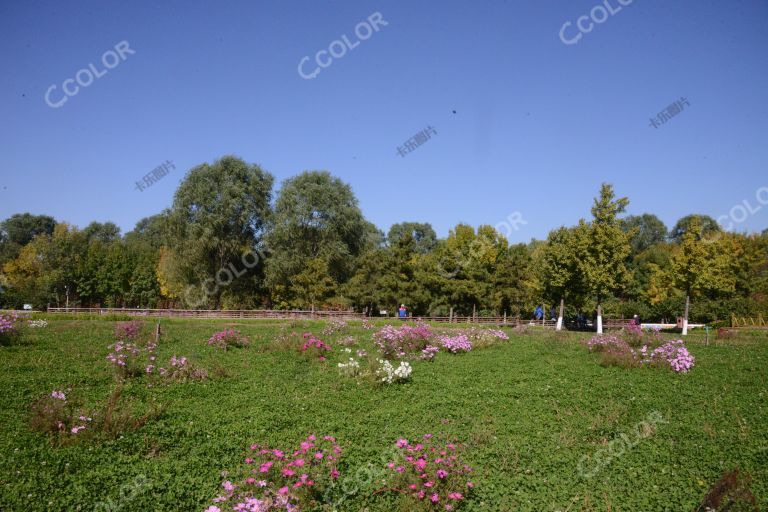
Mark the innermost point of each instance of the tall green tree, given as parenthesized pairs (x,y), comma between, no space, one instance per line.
(698,267)
(646,230)
(219,215)
(19,229)
(604,248)
(316,217)
(560,268)
(423,235)
(705,226)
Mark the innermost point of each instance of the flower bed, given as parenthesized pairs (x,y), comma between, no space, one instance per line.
(228,338)
(431,473)
(272,479)
(615,350)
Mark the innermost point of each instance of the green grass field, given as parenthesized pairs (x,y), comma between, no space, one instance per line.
(528,411)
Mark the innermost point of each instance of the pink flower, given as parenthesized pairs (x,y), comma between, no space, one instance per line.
(228,486)
(434,498)
(334,473)
(283,491)
(401,443)
(441,473)
(319,455)
(455,495)
(287,472)
(213,508)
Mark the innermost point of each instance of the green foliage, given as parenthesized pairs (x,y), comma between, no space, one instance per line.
(219,213)
(705,226)
(316,217)
(645,230)
(603,247)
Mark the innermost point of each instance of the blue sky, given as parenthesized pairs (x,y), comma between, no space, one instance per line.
(538,124)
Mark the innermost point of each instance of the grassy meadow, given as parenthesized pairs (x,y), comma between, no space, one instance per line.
(536,414)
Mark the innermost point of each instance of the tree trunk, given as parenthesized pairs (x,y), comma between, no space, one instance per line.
(560,316)
(599,319)
(685,317)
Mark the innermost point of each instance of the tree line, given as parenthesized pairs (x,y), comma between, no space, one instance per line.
(229,241)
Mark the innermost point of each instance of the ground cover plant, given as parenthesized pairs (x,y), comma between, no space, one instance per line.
(527,411)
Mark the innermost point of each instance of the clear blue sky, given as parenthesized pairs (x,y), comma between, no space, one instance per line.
(538,124)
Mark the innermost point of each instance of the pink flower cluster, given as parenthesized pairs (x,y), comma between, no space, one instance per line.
(123,353)
(397,342)
(127,331)
(228,338)
(673,354)
(60,415)
(273,479)
(429,352)
(8,322)
(334,325)
(432,472)
(9,327)
(314,347)
(456,344)
(497,333)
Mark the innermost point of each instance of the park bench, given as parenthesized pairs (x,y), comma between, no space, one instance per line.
(617,323)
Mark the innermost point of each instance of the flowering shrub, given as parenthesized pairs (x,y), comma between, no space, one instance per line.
(456,344)
(314,347)
(54,414)
(9,328)
(347,341)
(334,325)
(126,358)
(675,354)
(274,479)
(617,351)
(499,334)
(431,473)
(58,416)
(37,324)
(429,352)
(228,338)
(351,368)
(127,331)
(179,369)
(391,375)
(397,342)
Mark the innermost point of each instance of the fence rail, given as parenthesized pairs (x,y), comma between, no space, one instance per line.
(215,313)
(278,314)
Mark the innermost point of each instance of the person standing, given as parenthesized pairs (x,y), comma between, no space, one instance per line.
(402,312)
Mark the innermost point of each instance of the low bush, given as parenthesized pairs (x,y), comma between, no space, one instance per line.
(272,479)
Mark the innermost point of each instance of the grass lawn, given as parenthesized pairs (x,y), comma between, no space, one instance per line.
(528,410)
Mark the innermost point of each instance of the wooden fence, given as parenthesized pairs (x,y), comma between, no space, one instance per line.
(215,313)
(278,314)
